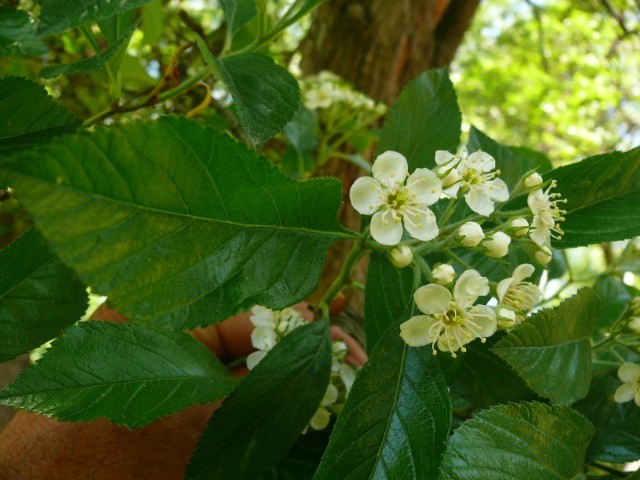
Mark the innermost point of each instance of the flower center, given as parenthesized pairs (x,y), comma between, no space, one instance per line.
(451,318)
(397,198)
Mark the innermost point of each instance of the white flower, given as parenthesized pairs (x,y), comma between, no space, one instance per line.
(263,317)
(481,187)
(443,274)
(401,256)
(545,215)
(497,245)
(519,227)
(629,374)
(471,234)
(450,321)
(533,181)
(264,338)
(393,203)
(517,296)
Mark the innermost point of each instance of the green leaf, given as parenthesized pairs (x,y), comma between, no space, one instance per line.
(300,9)
(388,296)
(60,15)
(484,379)
(302,133)
(259,423)
(29,116)
(17,35)
(265,94)
(303,459)
(551,350)
(396,419)
(527,441)
(223,230)
(123,372)
(423,119)
(115,27)
(95,62)
(615,300)
(39,296)
(153,21)
(238,13)
(602,193)
(617,437)
(513,163)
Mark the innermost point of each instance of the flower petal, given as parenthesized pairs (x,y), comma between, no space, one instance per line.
(485,318)
(522,271)
(424,227)
(497,190)
(415,331)
(263,338)
(479,201)
(629,372)
(624,393)
(425,185)
(254,358)
(537,201)
(320,419)
(469,287)
(443,157)
(539,232)
(502,287)
(432,298)
(390,168)
(330,396)
(366,195)
(481,161)
(385,230)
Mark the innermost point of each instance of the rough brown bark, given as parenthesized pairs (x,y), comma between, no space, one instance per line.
(380,45)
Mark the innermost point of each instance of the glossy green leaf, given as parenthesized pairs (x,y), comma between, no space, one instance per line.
(115,27)
(525,441)
(153,21)
(17,35)
(388,296)
(123,372)
(60,15)
(484,379)
(615,299)
(266,95)
(179,225)
(258,424)
(303,459)
(238,13)
(603,194)
(95,62)
(513,163)
(39,296)
(423,119)
(617,437)
(28,115)
(551,350)
(396,420)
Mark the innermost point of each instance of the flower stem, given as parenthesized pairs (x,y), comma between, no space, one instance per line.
(354,255)
(456,259)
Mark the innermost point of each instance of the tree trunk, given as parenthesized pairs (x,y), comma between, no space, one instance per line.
(380,45)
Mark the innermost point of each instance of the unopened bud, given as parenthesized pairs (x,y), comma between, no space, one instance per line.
(498,245)
(471,234)
(443,274)
(543,256)
(401,256)
(533,181)
(519,226)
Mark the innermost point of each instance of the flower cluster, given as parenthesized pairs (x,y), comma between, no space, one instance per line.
(517,298)
(271,326)
(325,89)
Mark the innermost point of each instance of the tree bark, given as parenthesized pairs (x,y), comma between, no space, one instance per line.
(380,45)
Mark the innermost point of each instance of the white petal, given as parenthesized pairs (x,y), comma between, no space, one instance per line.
(320,419)
(481,161)
(263,338)
(254,358)
(347,375)
(442,157)
(539,232)
(424,227)
(479,202)
(503,286)
(425,185)
(497,190)
(432,298)
(537,201)
(624,393)
(522,271)
(330,396)
(365,195)
(415,331)
(469,287)
(385,230)
(452,191)
(485,318)
(262,317)
(390,168)
(629,372)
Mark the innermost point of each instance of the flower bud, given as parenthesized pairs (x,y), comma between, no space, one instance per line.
(543,256)
(471,234)
(634,324)
(401,256)
(533,181)
(519,226)
(498,245)
(443,274)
